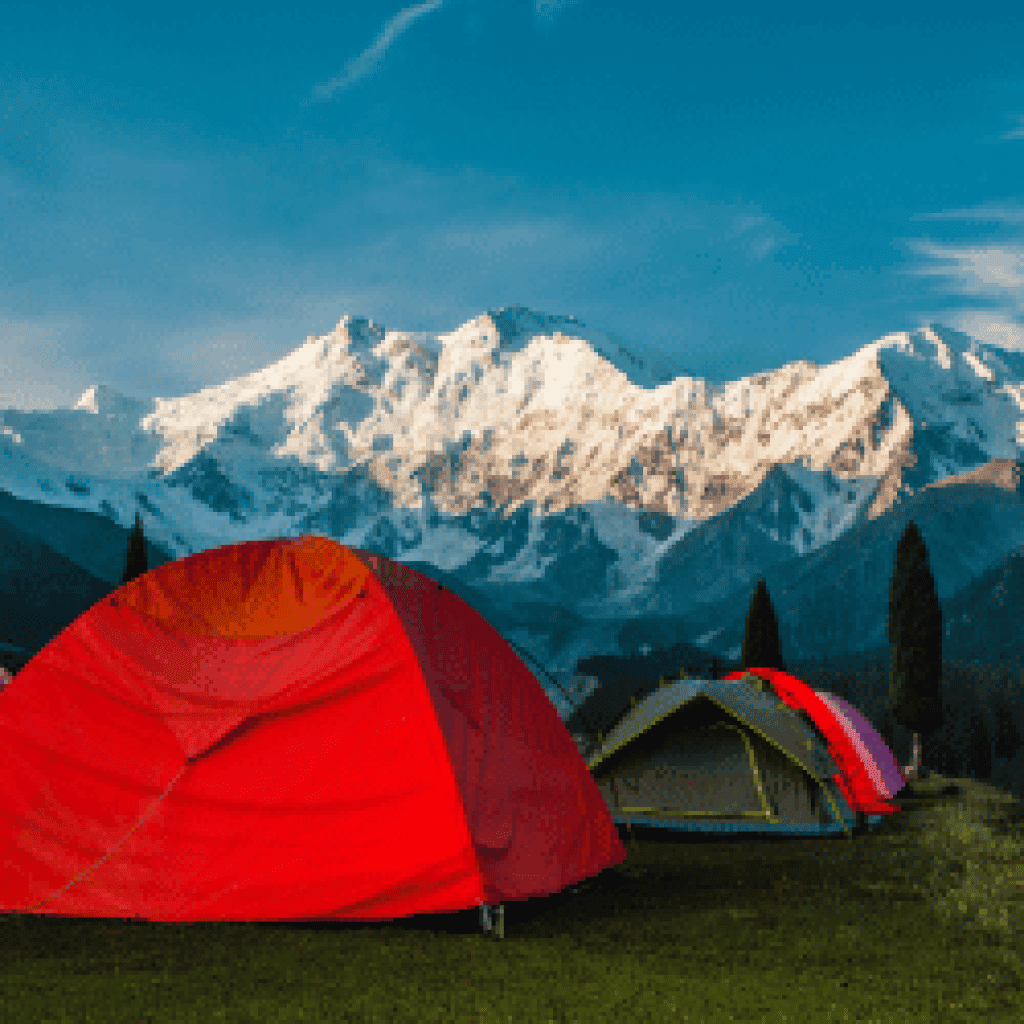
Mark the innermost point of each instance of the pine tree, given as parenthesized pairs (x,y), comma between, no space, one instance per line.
(135,563)
(760,647)
(915,641)
(1007,738)
(979,747)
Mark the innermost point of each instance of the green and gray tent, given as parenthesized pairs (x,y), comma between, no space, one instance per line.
(716,756)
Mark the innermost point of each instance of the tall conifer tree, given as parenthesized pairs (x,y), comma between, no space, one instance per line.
(915,641)
(135,563)
(761,640)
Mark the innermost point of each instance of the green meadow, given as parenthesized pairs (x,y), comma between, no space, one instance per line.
(918,920)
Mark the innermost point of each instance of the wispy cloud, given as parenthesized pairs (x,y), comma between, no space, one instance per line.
(988,275)
(362,65)
(1015,133)
(983,213)
(986,270)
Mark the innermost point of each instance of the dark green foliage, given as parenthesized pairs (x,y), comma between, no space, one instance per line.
(915,638)
(623,678)
(760,647)
(939,749)
(979,747)
(885,729)
(135,563)
(1007,738)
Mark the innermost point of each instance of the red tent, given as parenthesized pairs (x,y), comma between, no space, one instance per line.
(855,778)
(287,730)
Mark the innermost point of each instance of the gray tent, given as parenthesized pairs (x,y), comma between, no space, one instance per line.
(704,755)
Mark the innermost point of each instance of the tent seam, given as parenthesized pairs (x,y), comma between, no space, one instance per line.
(117,847)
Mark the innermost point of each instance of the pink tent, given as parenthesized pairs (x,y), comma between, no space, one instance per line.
(871,748)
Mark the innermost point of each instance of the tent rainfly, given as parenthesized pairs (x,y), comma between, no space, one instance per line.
(868,775)
(703,755)
(287,730)
(886,776)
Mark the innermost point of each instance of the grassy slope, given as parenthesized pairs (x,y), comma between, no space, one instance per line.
(920,920)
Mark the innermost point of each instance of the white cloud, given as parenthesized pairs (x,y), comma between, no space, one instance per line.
(996,270)
(989,273)
(362,65)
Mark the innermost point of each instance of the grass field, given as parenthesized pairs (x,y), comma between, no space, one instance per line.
(919,920)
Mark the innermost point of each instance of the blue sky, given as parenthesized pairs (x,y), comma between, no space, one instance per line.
(188,191)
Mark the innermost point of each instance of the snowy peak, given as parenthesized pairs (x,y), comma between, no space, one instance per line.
(518,408)
(500,334)
(949,382)
(101,400)
(288,408)
(361,335)
(641,365)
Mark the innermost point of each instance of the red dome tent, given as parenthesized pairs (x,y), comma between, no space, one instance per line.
(287,730)
(857,773)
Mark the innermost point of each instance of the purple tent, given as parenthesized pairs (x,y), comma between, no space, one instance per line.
(871,748)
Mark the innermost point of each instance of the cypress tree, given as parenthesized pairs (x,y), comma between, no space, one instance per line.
(761,639)
(979,747)
(915,641)
(135,563)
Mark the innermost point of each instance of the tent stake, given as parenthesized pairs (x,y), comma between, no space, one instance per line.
(493,920)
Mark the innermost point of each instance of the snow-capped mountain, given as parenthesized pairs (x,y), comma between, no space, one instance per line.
(545,466)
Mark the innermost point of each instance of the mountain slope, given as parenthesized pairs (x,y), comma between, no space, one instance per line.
(43,593)
(557,476)
(836,598)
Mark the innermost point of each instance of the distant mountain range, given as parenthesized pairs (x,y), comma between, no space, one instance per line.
(587,498)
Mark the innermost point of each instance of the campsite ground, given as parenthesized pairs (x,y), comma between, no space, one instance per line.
(920,920)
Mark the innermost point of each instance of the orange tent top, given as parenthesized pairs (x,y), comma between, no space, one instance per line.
(286,730)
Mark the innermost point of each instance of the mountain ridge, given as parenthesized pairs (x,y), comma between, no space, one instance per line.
(544,466)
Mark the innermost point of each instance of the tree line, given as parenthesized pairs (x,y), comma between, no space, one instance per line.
(948,735)
(135,561)
(914,698)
